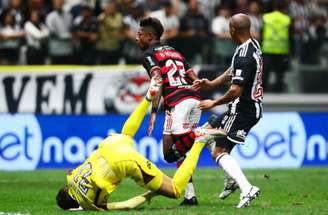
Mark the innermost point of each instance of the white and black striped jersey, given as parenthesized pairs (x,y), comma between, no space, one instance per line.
(246,67)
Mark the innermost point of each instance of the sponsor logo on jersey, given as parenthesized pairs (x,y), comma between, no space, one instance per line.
(241,134)
(151,62)
(238,72)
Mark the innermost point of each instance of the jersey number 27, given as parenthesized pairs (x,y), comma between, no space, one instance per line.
(176,67)
(81,178)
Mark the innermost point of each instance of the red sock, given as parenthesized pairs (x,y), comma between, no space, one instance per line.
(184,142)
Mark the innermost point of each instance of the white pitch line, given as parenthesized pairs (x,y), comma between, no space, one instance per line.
(13,213)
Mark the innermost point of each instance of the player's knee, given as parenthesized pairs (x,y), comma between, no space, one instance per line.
(183,142)
(223,145)
(214,121)
(215,154)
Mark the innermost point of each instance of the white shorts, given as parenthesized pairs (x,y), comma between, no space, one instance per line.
(182,118)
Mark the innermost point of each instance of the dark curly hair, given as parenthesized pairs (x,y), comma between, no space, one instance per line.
(153,25)
(64,200)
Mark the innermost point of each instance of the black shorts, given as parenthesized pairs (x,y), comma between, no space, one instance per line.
(237,126)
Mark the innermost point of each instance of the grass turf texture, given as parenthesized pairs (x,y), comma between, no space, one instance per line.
(297,191)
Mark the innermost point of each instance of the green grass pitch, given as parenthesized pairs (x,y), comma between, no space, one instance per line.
(297,191)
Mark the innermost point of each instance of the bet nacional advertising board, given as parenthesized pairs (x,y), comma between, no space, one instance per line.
(279,140)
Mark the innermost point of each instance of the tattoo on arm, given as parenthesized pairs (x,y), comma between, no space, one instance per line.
(156,74)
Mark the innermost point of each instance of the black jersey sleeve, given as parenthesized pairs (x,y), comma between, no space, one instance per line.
(242,70)
(150,63)
(187,66)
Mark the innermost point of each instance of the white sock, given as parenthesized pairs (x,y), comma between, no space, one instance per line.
(189,191)
(231,167)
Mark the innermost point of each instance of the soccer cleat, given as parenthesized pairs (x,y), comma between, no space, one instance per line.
(189,202)
(230,185)
(154,88)
(228,190)
(207,135)
(245,200)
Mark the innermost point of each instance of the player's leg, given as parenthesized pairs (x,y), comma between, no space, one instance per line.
(235,134)
(169,155)
(134,121)
(179,138)
(146,174)
(174,187)
(193,120)
(189,195)
(155,180)
(131,203)
(178,129)
(231,167)
(230,185)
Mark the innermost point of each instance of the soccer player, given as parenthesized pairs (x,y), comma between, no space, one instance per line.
(182,115)
(89,185)
(245,106)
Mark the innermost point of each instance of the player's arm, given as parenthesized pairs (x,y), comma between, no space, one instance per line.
(131,203)
(205,84)
(234,92)
(240,76)
(191,75)
(151,64)
(157,78)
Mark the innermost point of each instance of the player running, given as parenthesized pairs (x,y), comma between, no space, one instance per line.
(89,185)
(182,115)
(245,106)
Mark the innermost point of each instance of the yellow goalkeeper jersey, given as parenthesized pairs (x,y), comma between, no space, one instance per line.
(115,159)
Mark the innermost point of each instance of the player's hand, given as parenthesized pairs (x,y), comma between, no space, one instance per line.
(196,84)
(203,84)
(151,123)
(206,104)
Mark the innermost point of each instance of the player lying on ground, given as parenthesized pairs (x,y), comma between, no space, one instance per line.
(89,185)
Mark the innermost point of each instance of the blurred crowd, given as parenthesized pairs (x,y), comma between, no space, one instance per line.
(93,32)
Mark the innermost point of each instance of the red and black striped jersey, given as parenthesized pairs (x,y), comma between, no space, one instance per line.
(173,66)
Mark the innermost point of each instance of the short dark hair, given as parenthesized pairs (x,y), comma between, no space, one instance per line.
(153,25)
(64,200)
(167,3)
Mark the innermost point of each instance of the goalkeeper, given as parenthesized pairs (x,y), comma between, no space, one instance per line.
(89,185)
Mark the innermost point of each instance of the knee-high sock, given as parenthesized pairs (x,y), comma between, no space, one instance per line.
(183,142)
(134,121)
(189,190)
(231,167)
(187,168)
